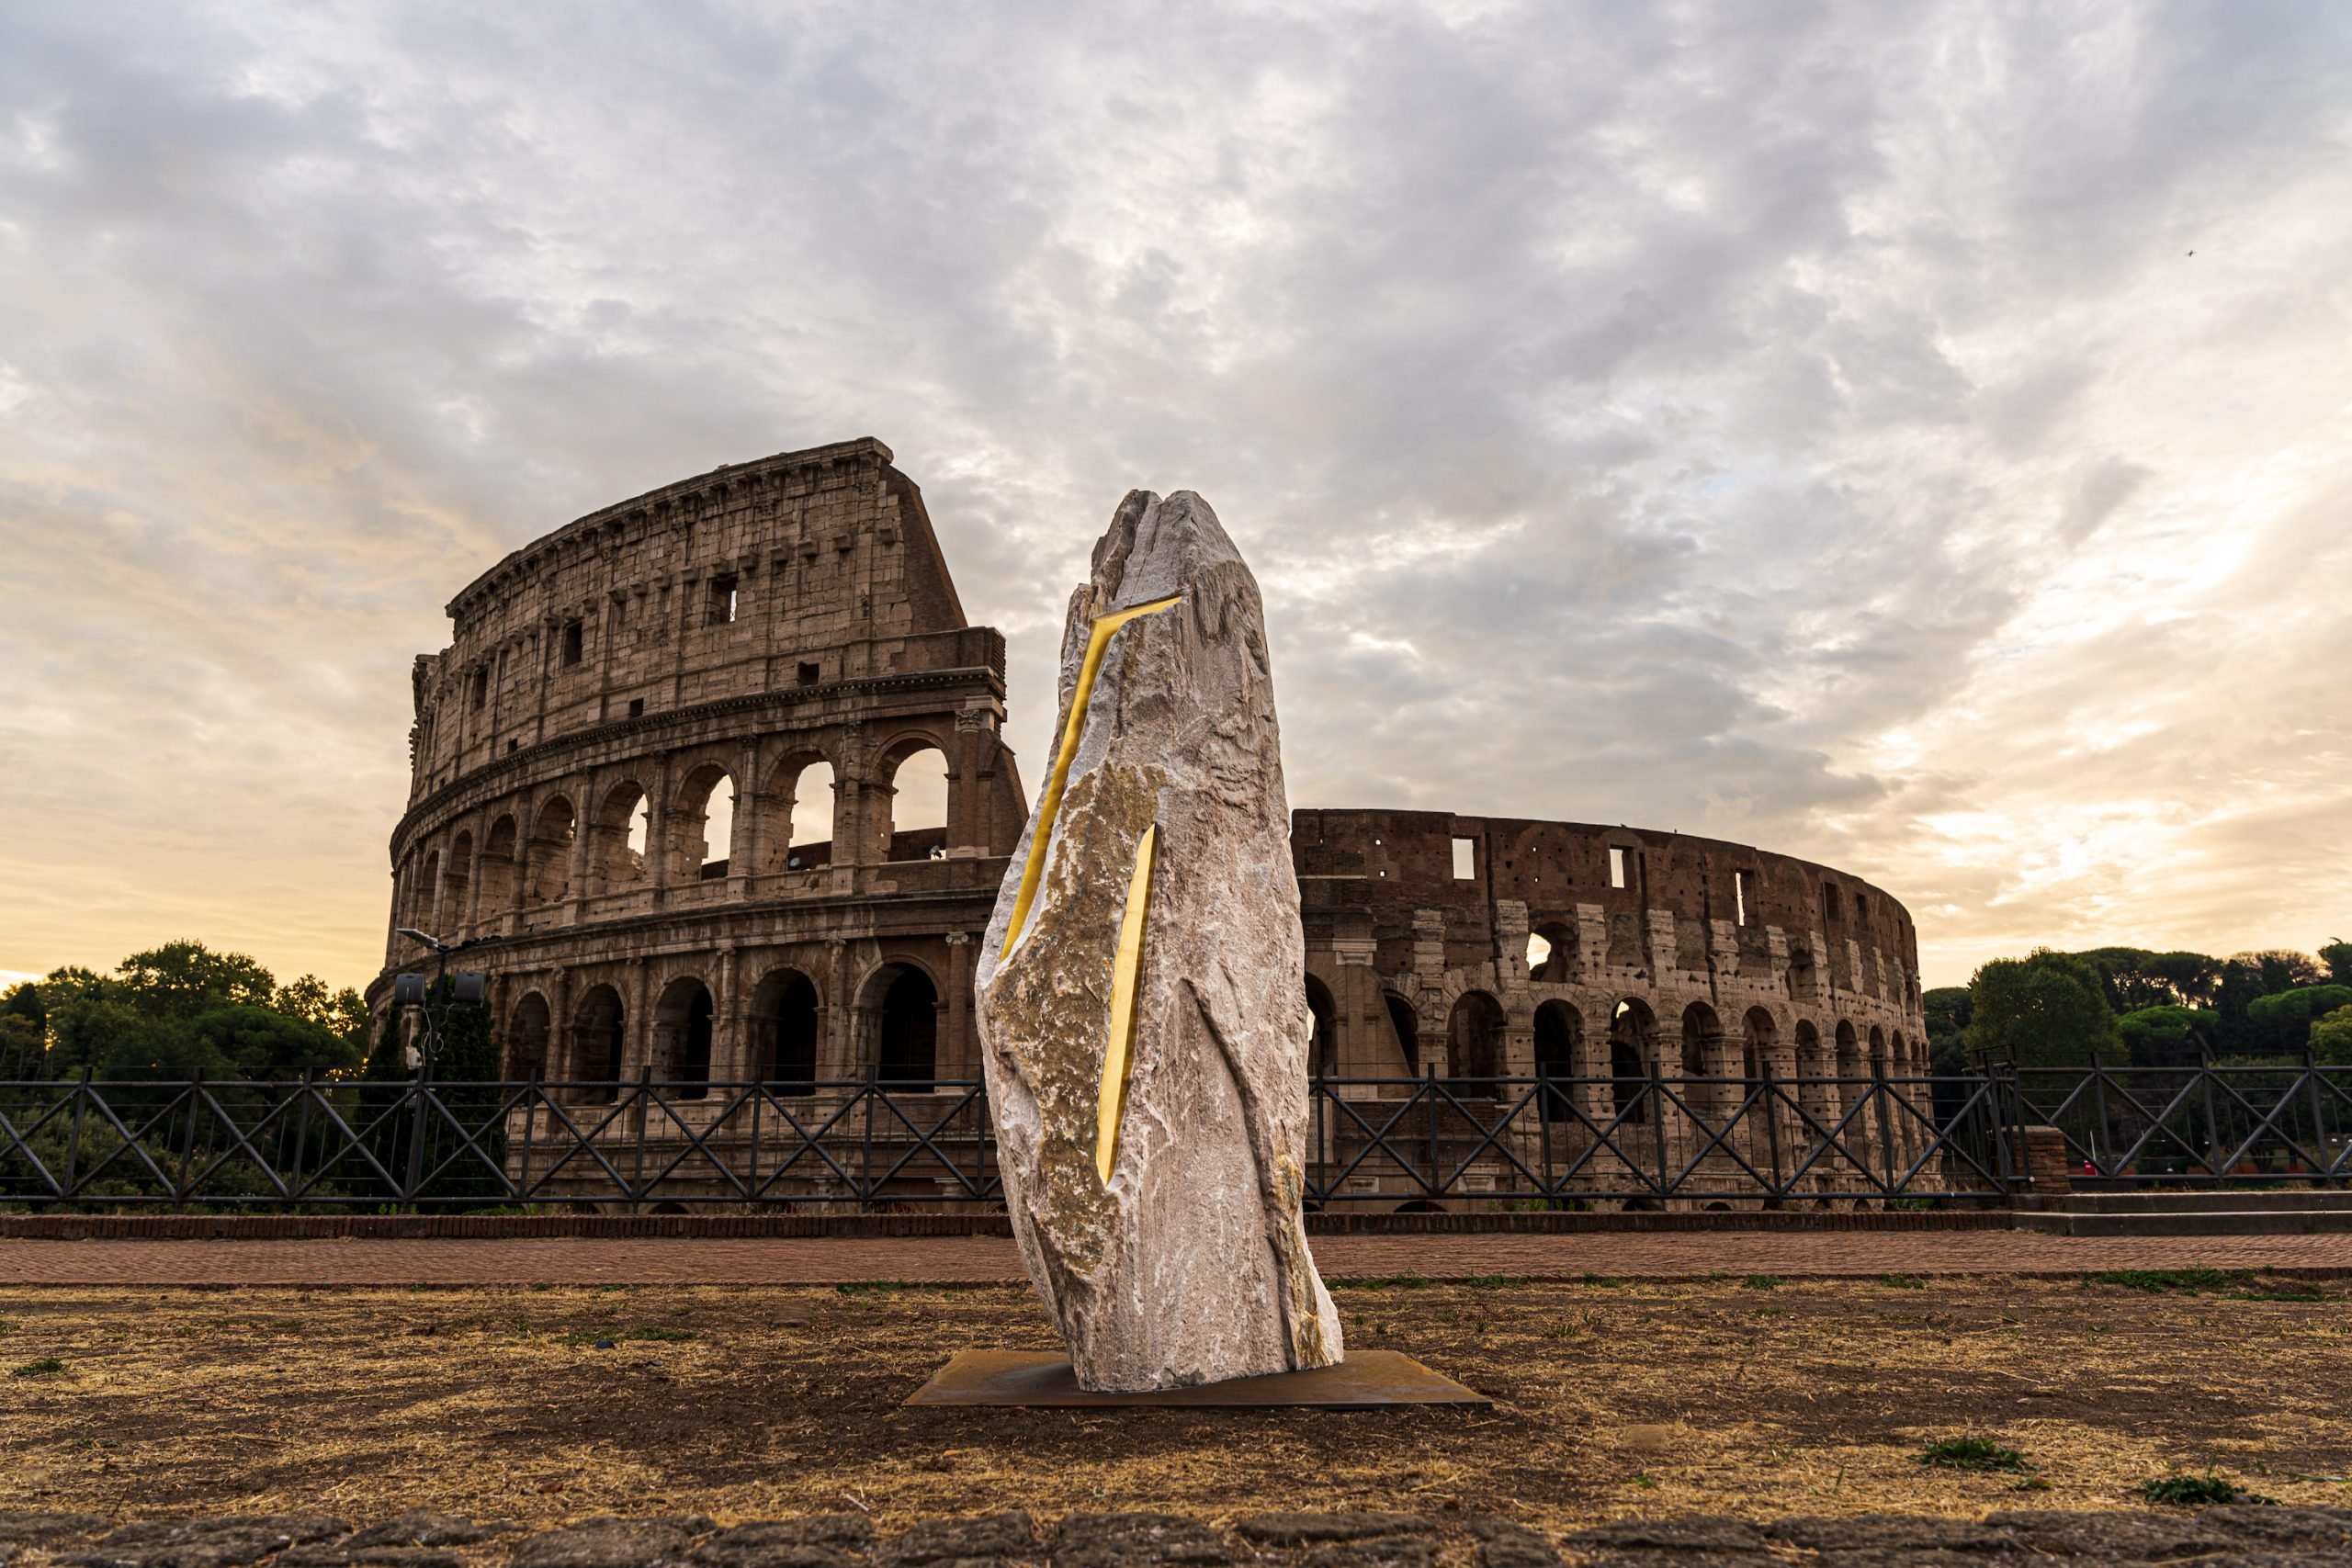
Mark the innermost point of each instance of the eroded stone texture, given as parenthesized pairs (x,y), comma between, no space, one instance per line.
(1190,1264)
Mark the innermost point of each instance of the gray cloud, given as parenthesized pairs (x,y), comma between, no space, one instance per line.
(1798,423)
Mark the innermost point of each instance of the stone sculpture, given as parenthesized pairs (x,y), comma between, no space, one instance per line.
(1143,1028)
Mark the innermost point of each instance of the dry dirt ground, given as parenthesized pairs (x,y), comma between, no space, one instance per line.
(1751,1396)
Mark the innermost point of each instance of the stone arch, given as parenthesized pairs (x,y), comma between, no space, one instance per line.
(528,1025)
(1405,1024)
(618,836)
(1473,1037)
(898,1025)
(1703,1042)
(1812,1063)
(599,1042)
(457,883)
(427,906)
(496,892)
(1557,964)
(797,807)
(1849,1054)
(546,859)
(1559,1033)
(702,824)
(1878,1049)
(1759,1033)
(1323,1038)
(786,1022)
(1632,1048)
(911,780)
(682,1019)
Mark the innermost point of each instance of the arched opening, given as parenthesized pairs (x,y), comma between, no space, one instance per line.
(1323,1044)
(1558,1031)
(427,907)
(617,841)
(1701,1041)
(1473,1037)
(784,1033)
(810,841)
(1759,1031)
(457,883)
(527,1025)
(1900,1055)
(1406,1026)
(497,891)
(1809,1063)
(916,797)
(682,1020)
(1849,1056)
(1632,1034)
(1552,954)
(907,1029)
(1878,1051)
(705,829)
(598,1043)
(548,858)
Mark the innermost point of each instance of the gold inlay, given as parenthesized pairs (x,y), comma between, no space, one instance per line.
(1119,1051)
(1050,805)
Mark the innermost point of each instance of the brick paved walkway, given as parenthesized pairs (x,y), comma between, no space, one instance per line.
(988,1259)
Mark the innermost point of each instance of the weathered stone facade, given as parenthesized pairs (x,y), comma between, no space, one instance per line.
(723,635)
(733,631)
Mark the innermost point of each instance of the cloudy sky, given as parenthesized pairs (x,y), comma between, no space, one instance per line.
(1913,437)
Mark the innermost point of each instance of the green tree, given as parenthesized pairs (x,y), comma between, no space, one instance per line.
(24,1032)
(2161,1036)
(2135,977)
(2288,1014)
(181,979)
(2331,1040)
(2337,956)
(1948,1012)
(2046,1010)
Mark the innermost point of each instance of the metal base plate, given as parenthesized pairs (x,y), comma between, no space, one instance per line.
(1367,1378)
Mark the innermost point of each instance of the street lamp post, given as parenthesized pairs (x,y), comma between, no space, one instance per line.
(434,1000)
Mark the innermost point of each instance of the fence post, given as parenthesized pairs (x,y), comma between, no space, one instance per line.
(865,1139)
(303,1122)
(1658,1124)
(188,1141)
(2098,1112)
(1780,1192)
(73,1145)
(2212,1121)
(1543,1124)
(532,1094)
(1885,1126)
(1429,1122)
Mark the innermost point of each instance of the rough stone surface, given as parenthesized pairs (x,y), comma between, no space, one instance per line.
(228,1541)
(989,1537)
(1190,1264)
(423,1527)
(1308,1529)
(613,1543)
(2215,1538)
(1133,1541)
(823,1540)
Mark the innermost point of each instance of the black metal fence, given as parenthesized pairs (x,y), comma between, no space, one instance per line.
(1644,1141)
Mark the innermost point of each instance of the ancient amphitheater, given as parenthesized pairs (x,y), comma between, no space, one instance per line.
(722,766)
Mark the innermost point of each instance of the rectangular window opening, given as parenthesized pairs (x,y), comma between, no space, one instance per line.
(636,707)
(1465,861)
(482,687)
(575,642)
(1617,868)
(808,674)
(1739,895)
(722,599)
(1829,902)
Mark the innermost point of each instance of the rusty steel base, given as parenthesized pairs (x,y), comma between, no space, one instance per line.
(1366,1379)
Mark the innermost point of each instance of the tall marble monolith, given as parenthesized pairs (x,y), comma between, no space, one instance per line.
(1143,1020)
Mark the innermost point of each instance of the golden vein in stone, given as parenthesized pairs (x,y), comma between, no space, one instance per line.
(1050,804)
(1118,1052)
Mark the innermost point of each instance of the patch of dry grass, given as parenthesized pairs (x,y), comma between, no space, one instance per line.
(1810,1396)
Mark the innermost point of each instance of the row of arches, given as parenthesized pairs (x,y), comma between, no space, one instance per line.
(1477,1030)
(631,833)
(895,1015)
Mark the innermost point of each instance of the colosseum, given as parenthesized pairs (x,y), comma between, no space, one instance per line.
(721,765)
